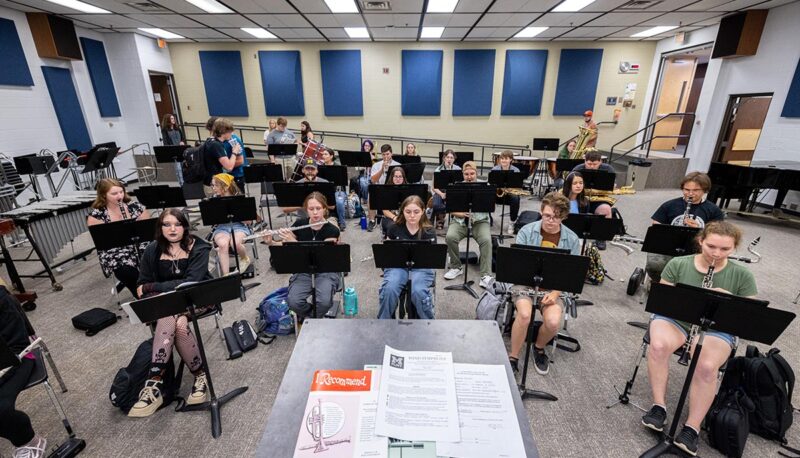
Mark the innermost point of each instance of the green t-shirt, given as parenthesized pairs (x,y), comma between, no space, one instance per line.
(734,278)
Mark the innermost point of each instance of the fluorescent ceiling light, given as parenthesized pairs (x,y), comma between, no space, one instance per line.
(342,6)
(654,31)
(357,32)
(258,32)
(80,6)
(210,6)
(161,33)
(441,6)
(431,32)
(530,32)
(570,6)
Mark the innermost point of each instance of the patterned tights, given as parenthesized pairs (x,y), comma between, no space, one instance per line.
(174,330)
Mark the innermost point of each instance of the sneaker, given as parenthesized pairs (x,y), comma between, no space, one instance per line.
(244,263)
(655,418)
(34,449)
(510,229)
(541,362)
(514,362)
(600,244)
(487,281)
(440,223)
(149,400)
(453,273)
(199,390)
(342,226)
(371,226)
(687,440)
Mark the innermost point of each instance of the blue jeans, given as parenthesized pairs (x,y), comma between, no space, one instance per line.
(179,173)
(439,205)
(363,182)
(394,280)
(341,197)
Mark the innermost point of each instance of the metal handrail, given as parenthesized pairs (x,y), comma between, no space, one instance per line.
(575,136)
(648,141)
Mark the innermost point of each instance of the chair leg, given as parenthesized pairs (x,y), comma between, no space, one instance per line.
(52,364)
(57,404)
(217,317)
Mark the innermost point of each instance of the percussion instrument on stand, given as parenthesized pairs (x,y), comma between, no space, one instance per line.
(313,151)
(526,164)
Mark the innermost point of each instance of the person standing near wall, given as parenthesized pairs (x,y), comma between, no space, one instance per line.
(236,145)
(588,123)
(172,135)
(271,124)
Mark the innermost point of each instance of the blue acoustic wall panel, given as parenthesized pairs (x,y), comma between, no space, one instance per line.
(95,54)
(224,83)
(341,82)
(791,107)
(421,83)
(282,80)
(576,88)
(473,77)
(523,82)
(68,108)
(14,69)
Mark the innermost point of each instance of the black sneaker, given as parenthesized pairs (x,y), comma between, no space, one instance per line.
(371,226)
(687,440)
(655,418)
(514,362)
(541,362)
(600,244)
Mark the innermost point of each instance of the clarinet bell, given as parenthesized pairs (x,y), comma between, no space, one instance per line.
(684,359)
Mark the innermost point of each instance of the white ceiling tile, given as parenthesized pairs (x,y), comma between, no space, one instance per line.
(179,6)
(334,32)
(771,4)
(216,40)
(621,19)
(308,33)
(397,20)
(667,5)
(705,5)
(394,32)
(40,5)
(450,20)
(740,4)
(223,20)
(481,32)
(603,5)
(279,20)
(564,19)
(201,32)
(711,20)
(504,32)
(311,6)
(591,32)
(679,18)
(165,20)
(260,6)
(472,6)
(523,6)
(454,32)
(405,6)
(107,20)
(620,39)
(626,33)
(336,20)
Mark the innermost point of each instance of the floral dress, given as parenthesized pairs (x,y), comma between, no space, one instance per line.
(111,260)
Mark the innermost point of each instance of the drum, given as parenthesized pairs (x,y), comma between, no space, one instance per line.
(551,168)
(7,226)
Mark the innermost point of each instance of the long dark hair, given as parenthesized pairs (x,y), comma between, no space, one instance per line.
(163,243)
(390,178)
(567,190)
(166,123)
(424,223)
(307,127)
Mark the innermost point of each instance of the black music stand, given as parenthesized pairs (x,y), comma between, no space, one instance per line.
(336,174)
(403,159)
(169,153)
(187,298)
(161,196)
(282,149)
(355,158)
(34,165)
(444,178)
(409,254)
(264,174)
(545,144)
(229,210)
(461,157)
(505,179)
(746,318)
(310,258)
(467,198)
(413,171)
(540,269)
(127,232)
(598,180)
(589,226)
(100,157)
(390,196)
(293,194)
(566,165)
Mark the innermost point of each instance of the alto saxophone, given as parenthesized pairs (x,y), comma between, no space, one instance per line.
(708,283)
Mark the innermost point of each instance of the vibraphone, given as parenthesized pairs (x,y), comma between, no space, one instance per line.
(50,224)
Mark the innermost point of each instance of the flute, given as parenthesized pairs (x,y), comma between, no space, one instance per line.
(267,232)
(22,354)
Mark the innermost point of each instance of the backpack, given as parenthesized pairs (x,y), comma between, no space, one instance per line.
(768,381)
(355,185)
(94,320)
(193,165)
(130,380)
(728,421)
(353,208)
(492,306)
(596,273)
(273,314)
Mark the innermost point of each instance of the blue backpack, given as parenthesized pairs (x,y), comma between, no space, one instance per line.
(273,314)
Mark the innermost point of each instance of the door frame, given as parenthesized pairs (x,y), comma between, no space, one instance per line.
(173,93)
(724,128)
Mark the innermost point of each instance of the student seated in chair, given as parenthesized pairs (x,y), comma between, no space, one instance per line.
(174,257)
(223,185)
(548,232)
(592,160)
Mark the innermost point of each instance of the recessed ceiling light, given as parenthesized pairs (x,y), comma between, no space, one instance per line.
(342,6)
(80,6)
(569,6)
(431,32)
(357,32)
(258,32)
(161,33)
(210,6)
(441,6)
(530,32)
(654,31)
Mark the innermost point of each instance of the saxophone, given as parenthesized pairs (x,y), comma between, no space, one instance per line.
(708,283)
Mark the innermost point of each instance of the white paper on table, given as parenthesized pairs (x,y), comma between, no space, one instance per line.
(489,425)
(418,396)
(371,445)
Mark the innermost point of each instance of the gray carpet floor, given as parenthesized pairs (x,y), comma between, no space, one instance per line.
(577,425)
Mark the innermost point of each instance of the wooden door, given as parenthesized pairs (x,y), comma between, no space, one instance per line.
(747,118)
(162,96)
(676,84)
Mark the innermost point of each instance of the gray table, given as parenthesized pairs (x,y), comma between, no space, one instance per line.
(350,344)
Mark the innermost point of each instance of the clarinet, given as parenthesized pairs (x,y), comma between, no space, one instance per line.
(686,212)
(708,283)
(122,210)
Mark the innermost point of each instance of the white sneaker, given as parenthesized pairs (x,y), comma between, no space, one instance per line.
(244,263)
(487,281)
(199,390)
(34,449)
(453,273)
(149,400)
(511,229)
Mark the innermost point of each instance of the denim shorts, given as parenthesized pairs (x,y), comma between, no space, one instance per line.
(226,229)
(728,338)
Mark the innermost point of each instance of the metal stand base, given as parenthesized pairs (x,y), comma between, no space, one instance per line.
(466,286)
(664,448)
(71,447)
(525,393)
(214,406)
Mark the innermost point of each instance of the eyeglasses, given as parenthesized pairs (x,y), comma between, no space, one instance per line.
(692,189)
(551,217)
(169,225)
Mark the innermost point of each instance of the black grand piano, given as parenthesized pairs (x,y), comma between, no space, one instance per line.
(745,183)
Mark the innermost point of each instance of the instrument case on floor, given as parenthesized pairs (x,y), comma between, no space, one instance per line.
(94,320)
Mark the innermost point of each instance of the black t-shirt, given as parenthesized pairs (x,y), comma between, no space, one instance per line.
(396,232)
(213,149)
(328,231)
(671,211)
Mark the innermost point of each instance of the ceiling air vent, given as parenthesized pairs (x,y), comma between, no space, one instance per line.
(375,5)
(147,7)
(639,5)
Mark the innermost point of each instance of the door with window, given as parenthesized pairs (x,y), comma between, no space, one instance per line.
(741,128)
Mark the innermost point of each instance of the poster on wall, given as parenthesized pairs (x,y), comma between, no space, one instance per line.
(630,92)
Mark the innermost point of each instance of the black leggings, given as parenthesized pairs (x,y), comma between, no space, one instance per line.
(513,203)
(128,276)
(14,424)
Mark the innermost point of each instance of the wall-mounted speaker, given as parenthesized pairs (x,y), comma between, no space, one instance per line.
(739,34)
(54,36)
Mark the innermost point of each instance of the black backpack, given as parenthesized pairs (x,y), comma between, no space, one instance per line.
(769,381)
(728,421)
(194,166)
(94,320)
(130,380)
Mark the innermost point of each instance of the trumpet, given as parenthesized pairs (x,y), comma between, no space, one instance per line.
(274,232)
(22,354)
(501,192)
(708,283)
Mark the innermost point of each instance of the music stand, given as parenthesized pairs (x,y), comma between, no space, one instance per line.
(540,269)
(264,174)
(228,210)
(355,158)
(34,165)
(444,178)
(545,144)
(161,196)
(403,159)
(310,258)
(336,174)
(409,254)
(169,153)
(461,157)
(598,180)
(593,227)
(505,179)
(100,157)
(118,234)
(467,198)
(670,240)
(187,298)
(293,194)
(390,196)
(282,149)
(566,165)
(746,318)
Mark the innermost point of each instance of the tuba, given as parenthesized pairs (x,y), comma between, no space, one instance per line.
(580,143)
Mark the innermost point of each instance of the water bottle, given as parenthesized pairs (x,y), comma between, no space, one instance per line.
(363,222)
(350,302)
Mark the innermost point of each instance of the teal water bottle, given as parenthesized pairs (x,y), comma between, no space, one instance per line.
(350,302)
